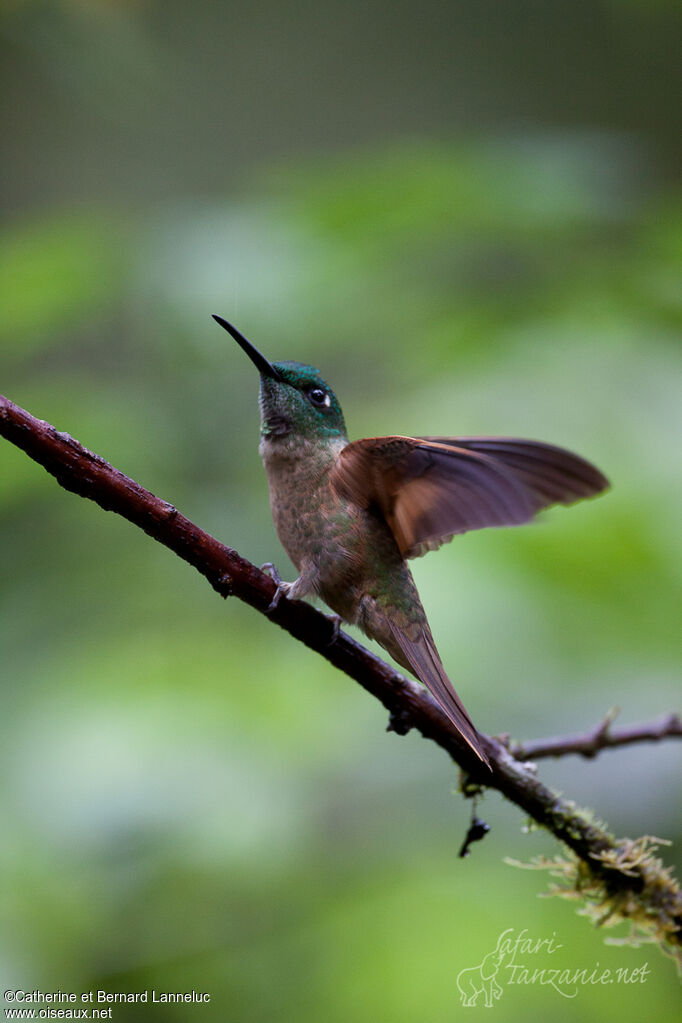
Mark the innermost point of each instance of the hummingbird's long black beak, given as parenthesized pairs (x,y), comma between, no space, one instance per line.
(259,361)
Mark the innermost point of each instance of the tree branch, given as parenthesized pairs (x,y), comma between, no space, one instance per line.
(588,744)
(609,862)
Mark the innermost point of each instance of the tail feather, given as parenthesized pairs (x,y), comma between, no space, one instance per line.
(422,658)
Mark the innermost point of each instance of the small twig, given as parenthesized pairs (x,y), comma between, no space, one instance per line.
(589,744)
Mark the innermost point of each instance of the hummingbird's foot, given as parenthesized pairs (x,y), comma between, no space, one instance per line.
(294,591)
(336,622)
(282,587)
(270,570)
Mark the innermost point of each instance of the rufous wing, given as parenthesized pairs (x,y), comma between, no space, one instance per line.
(430,488)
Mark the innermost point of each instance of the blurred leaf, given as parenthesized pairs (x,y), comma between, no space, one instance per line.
(54,274)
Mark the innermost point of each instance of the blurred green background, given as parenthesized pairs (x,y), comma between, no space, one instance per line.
(468,216)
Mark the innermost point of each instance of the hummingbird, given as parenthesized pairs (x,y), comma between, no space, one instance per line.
(350,514)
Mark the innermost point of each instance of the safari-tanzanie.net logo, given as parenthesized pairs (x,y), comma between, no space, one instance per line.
(521,960)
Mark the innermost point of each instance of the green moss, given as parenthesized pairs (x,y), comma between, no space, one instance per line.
(629,884)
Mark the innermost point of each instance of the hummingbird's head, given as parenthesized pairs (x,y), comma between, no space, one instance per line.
(294,399)
(298,402)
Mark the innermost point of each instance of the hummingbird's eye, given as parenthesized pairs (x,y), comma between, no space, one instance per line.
(319,397)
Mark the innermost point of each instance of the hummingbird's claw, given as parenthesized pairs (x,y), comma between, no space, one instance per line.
(335,622)
(282,587)
(281,591)
(270,570)
(294,591)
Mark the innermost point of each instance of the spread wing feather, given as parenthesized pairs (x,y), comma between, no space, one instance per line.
(556,475)
(430,488)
